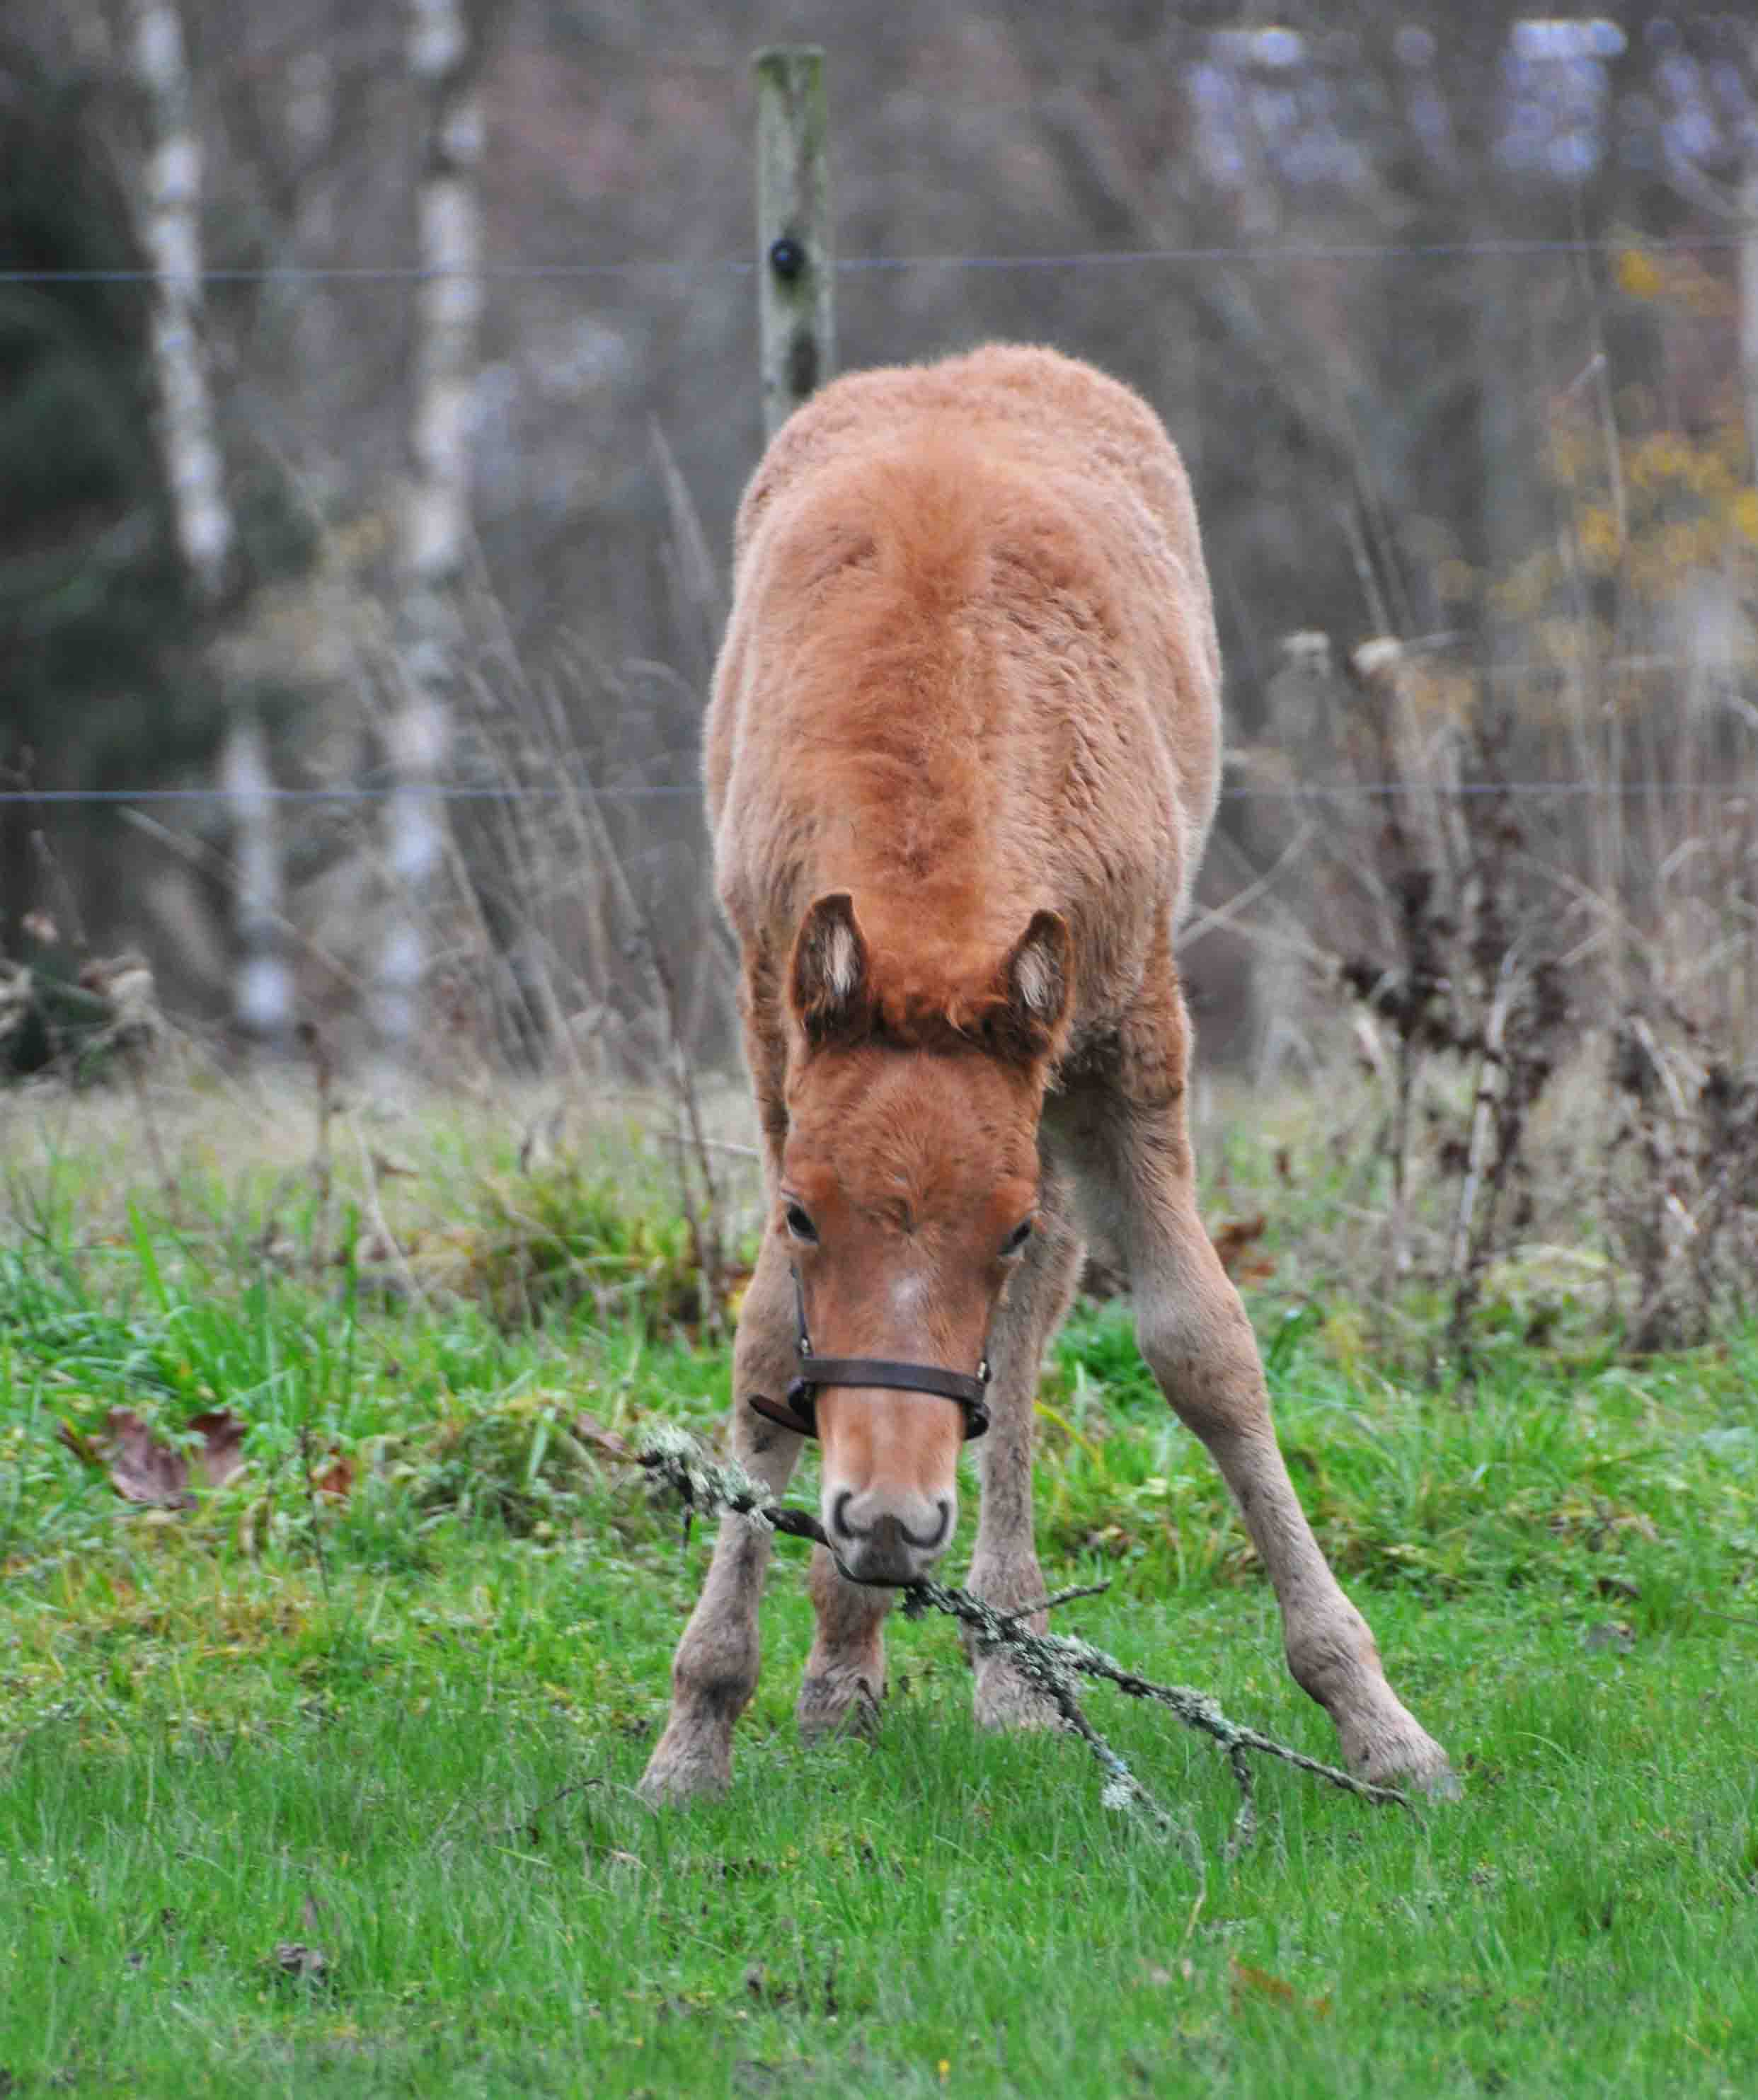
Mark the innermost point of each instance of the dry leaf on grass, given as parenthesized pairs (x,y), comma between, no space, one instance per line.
(222,1453)
(143,1468)
(337,1479)
(1233,1241)
(1245,1982)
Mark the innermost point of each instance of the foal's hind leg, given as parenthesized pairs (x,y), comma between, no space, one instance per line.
(714,1671)
(1004,1569)
(1194,1332)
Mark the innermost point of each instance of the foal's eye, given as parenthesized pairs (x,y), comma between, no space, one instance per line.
(1015,1241)
(799,1224)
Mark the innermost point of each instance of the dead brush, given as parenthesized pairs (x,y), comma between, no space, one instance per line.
(1453,953)
(560,1235)
(1679,1188)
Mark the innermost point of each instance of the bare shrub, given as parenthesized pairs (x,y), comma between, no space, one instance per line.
(1421,906)
(1681,1182)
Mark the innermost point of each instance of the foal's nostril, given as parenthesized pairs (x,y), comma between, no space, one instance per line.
(933,1538)
(887,1530)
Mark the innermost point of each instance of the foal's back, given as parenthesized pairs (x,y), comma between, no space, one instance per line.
(971,667)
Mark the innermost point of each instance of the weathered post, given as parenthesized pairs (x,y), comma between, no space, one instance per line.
(797,338)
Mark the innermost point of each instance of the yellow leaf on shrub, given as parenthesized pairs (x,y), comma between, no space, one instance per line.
(1638,274)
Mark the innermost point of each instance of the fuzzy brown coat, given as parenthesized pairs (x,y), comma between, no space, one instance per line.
(971,672)
(961,758)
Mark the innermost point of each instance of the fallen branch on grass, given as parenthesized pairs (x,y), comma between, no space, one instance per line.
(1050,1662)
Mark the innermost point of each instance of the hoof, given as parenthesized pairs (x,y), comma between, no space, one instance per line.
(685,1768)
(1408,1757)
(838,1704)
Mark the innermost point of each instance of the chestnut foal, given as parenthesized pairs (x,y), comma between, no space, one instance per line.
(962,755)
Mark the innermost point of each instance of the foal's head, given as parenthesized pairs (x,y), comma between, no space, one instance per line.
(908,1198)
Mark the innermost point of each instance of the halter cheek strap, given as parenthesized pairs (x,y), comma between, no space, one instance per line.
(799,1411)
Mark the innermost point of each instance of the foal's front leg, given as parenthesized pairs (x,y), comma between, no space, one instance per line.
(844,1675)
(714,1671)
(1004,1568)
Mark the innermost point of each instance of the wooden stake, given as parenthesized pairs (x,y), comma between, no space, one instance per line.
(797,341)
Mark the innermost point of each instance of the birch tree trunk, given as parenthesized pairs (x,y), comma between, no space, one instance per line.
(443,58)
(170,229)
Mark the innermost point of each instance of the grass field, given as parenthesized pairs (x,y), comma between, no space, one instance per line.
(308,1790)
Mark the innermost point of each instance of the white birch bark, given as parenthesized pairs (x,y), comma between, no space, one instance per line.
(442,52)
(170,229)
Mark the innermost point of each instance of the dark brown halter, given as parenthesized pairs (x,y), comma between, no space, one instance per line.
(799,1411)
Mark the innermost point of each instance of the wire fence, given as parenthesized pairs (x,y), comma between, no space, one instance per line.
(1514,248)
(450,791)
(1511,247)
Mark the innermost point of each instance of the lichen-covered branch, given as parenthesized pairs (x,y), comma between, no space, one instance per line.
(1051,1662)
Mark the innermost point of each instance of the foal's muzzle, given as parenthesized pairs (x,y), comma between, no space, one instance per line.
(877,1539)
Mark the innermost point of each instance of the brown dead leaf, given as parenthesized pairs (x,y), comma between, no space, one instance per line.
(1244,1978)
(337,1479)
(222,1453)
(1245,1982)
(1233,1241)
(143,1468)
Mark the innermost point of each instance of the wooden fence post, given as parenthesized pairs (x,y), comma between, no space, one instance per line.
(797,337)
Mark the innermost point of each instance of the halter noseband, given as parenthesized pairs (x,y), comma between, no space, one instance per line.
(799,1411)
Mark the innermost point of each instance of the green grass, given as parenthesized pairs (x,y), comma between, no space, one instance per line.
(403,1729)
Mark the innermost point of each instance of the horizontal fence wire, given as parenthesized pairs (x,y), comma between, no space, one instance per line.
(1512,247)
(252,797)
(447,792)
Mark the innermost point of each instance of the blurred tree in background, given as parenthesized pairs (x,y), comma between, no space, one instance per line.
(90,594)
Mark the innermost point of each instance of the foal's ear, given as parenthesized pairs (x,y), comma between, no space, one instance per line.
(1036,979)
(827,984)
